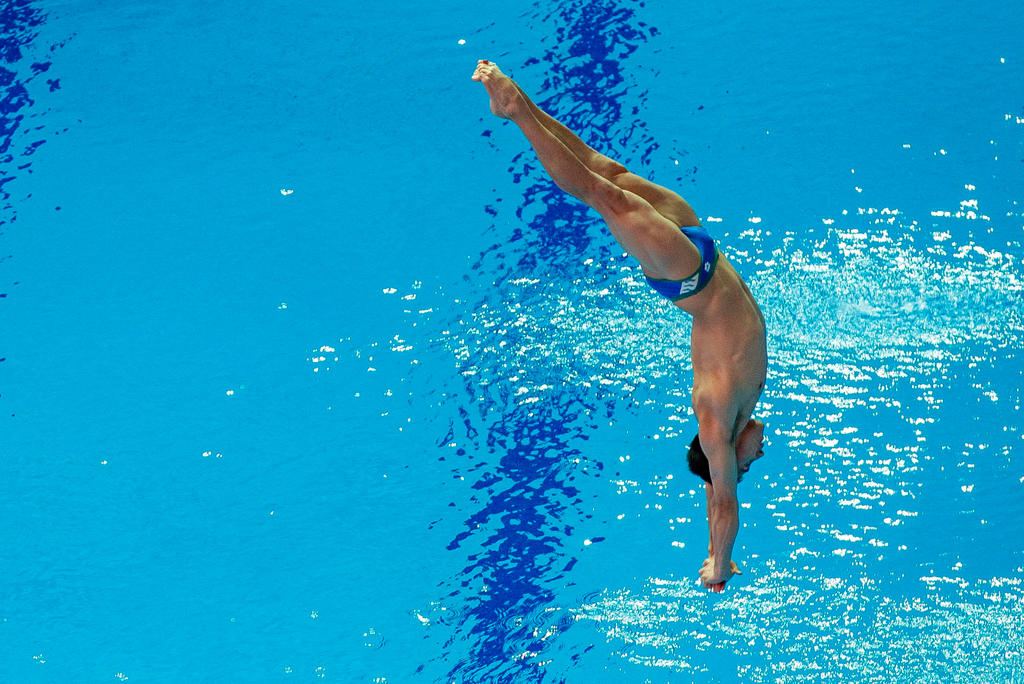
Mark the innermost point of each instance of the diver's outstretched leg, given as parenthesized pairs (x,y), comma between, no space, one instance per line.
(668,203)
(649,235)
(565,168)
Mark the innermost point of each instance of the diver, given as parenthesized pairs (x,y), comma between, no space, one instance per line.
(728,346)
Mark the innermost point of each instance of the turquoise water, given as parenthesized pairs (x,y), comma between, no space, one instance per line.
(310,374)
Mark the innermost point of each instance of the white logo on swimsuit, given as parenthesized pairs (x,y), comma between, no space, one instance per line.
(707,266)
(690,284)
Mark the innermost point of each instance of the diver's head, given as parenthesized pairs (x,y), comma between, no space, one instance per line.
(698,462)
(750,445)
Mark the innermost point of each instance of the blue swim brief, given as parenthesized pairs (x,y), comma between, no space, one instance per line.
(687,287)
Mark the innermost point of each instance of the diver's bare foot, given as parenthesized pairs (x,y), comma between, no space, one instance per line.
(505,99)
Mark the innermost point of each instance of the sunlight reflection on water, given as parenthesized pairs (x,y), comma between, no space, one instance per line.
(839,629)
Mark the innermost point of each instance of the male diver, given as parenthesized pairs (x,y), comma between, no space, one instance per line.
(727,345)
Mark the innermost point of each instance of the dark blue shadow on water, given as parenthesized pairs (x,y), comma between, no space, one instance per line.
(19,21)
(529,510)
(526,455)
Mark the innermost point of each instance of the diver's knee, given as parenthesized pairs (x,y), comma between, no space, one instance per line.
(610,169)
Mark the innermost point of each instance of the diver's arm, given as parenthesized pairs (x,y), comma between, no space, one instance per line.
(709,492)
(723,513)
(725,523)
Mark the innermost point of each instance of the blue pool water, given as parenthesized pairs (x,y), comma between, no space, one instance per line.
(309,373)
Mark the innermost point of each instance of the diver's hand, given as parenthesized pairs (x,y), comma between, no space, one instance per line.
(714,580)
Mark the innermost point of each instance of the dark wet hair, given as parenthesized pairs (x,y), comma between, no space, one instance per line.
(698,462)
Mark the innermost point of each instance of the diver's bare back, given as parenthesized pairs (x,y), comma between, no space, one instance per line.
(728,348)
